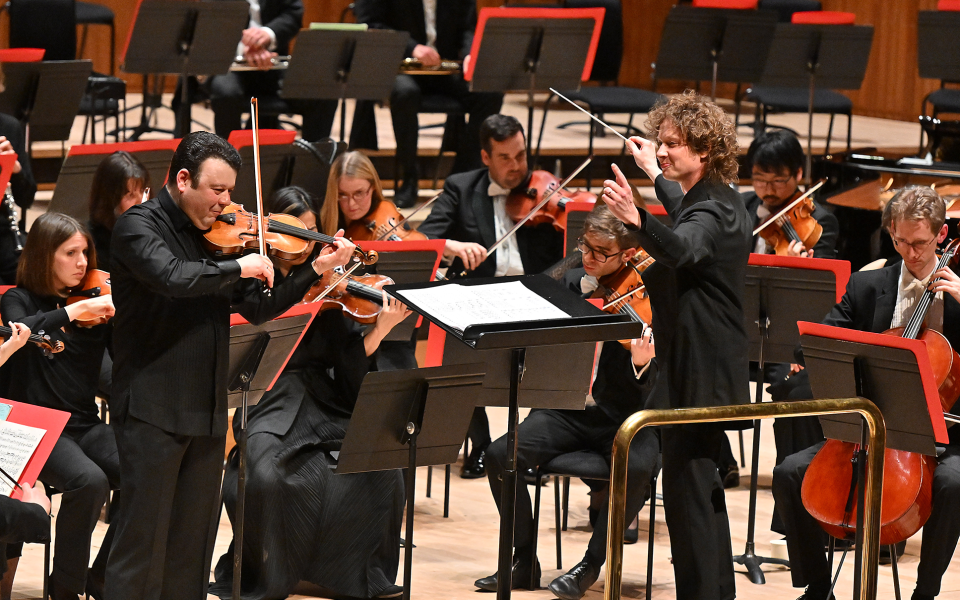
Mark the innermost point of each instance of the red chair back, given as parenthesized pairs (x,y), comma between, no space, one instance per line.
(12,55)
(730,4)
(948,5)
(268,137)
(823,17)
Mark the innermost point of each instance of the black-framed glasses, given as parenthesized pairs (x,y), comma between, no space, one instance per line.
(915,246)
(598,256)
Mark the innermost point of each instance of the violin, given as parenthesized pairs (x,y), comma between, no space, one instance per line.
(45,342)
(525,198)
(360,297)
(95,283)
(795,223)
(623,291)
(907,476)
(236,231)
(383,223)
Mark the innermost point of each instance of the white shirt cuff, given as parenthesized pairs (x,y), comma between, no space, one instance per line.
(273,39)
(640,373)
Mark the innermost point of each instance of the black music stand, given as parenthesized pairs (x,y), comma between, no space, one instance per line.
(892,372)
(72,194)
(403,267)
(45,96)
(812,56)
(258,354)
(509,344)
(408,419)
(779,292)
(183,38)
(336,65)
(714,44)
(533,53)
(937,58)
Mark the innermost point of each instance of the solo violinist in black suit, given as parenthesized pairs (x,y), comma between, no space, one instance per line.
(696,291)
(876,301)
(173,302)
(471,215)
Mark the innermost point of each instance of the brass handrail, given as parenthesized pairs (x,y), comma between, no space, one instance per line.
(877,441)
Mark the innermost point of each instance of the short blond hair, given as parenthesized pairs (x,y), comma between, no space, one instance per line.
(705,128)
(915,203)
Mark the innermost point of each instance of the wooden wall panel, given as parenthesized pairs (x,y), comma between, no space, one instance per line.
(892,87)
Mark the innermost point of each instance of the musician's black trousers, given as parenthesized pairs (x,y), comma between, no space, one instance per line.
(546,434)
(168,523)
(696,513)
(805,538)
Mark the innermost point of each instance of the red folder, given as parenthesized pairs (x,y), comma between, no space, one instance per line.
(53,421)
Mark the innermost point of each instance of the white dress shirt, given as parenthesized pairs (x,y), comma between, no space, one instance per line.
(257,21)
(908,294)
(508,254)
(430,21)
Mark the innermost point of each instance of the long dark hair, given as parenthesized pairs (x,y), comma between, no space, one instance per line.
(292,200)
(111,182)
(49,232)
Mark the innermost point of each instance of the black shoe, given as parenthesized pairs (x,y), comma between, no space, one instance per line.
(918,596)
(730,478)
(817,592)
(406,196)
(94,587)
(394,591)
(57,593)
(632,533)
(575,583)
(520,578)
(885,557)
(473,465)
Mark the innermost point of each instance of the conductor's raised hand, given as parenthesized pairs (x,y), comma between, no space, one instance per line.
(644,153)
(619,198)
(470,253)
(335,255)
(256,266)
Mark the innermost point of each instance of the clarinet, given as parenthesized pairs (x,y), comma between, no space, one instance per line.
(12,216)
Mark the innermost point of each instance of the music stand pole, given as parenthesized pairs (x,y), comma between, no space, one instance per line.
(409,437)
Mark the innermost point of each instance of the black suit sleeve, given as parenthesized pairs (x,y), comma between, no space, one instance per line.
(469,25)
(669,193)
(826,246)
(15,305)
(692,242)
(23,522)
(287,22)
(443,215)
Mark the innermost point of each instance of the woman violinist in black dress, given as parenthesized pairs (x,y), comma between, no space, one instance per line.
(303,521)
(83,466)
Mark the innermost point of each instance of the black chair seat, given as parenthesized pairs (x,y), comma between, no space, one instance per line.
(615,99)
(582,464)
(945,100)
(89,13)
(440,103)
(795,100)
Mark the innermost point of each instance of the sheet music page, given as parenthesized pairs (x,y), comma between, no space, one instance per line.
(459,306)
(17,444)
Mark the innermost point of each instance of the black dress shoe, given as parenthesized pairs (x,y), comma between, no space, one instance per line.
(57,593)
(632,533)
(394,591)
(94,587)
(575,583)
(817,592)
(731,478)
(473,465)
(520,578)
(406,196)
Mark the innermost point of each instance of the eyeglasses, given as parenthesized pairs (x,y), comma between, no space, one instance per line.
(356,196)
(598,256)
(915,246)
(779,182)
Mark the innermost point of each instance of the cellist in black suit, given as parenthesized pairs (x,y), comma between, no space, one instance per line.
(876,301)
(696,292)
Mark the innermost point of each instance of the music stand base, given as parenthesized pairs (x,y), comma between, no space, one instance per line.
(752,562)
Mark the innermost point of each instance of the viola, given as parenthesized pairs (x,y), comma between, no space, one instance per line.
(360,297)
(624,292)
(383,223)
(793,224)
(236,231)
(95,283)
(522,200)
(907,476)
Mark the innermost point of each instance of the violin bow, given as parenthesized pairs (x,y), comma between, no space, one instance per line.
(336,282)
(261,222)
(589,114)
(789,207)
(407,218)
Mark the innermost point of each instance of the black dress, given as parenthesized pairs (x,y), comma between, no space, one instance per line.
(303,521)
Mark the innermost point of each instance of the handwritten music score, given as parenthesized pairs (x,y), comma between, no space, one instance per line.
(17,444)
(459,306)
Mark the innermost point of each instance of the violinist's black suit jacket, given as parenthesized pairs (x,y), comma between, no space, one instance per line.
(464,212)
(826,246)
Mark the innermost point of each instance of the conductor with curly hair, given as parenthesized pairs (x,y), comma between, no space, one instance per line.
(696,291)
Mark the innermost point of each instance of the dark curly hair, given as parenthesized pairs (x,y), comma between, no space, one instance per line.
(705,128)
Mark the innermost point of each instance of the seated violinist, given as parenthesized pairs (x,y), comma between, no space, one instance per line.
(623,379)
(84,465)
(471,215)
(303,521)
(776,162)
(355,203)
(876,301)
(118,183)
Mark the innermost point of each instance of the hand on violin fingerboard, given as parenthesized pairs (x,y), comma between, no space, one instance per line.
(391,314)
(798,249)
(945,280)
(257,267)
(20,336)
(334,255)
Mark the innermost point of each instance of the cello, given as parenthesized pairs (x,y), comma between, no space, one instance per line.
(907,476)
